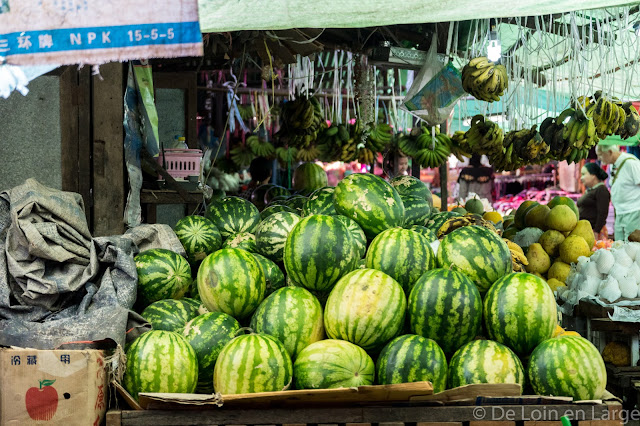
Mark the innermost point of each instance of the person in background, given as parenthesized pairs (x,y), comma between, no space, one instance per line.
(594,204)
(625,189)
(395,164)
(476,178)
(260,170)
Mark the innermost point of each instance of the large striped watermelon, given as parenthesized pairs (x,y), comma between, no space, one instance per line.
(358,234)
(252,363)
(366,307)
(297,203)
(330,364)
(273,275)
(272,234)
(416,210)
(436,220)
(445,306)
(429,234)
(520,311)
(208,334)
(410,358)
(162,274)
(318,251)
(478,253)
(567,366)
(232,215)
(484,361)
(241,240)
(401,253)
(308,177)
(170,314)
(320,202)
(275,209)
(160,361)
(199,236)
(410,185)
(293,316)
(276,191)
(231,281)
(370,201)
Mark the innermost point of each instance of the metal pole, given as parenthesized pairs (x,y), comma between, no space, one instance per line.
(444,175)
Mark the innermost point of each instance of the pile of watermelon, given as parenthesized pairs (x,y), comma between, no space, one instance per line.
(347,286)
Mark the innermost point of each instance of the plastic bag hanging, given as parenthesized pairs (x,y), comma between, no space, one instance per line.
(435,90)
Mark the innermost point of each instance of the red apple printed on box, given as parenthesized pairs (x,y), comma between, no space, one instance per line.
(42,402)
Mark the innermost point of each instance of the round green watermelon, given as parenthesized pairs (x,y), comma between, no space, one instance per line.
(410,185)
(272,234)
(366,307)
(320,202)
(170,314)
(162,274)
(293,316)
(233,215)
(275,209)
(401,253)
(478,253)
(410,358)
(329,364)
(429,234)
(208,334)
(416,210)
(257,195)
(484,361)
(567,366)
(297,203)
(231,281)
(370,201)
(252,363)
(199,237)
(273,275)
(358,234)
(241,240)
(160,361)
(318,251)
(436,220)
(274,192)
(445,306)
(308,177)
(520,311)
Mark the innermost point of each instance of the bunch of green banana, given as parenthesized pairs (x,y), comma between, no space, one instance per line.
(607,116)
(434,151)
(631,124)
(366,156)
(261,148)
(459,146)
(552,130)
(484,136)
(379,137)
(301,121)
(307,153)
(242,155)
(407,145)
(349,149)
(484,80)
(286,156)
(468,219)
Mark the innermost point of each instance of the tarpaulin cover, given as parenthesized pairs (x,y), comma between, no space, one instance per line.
(36,32)
(57,283)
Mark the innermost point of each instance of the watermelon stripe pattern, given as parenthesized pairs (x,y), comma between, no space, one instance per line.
(272,234)
(567,366)
(366,307)
(416,210)
(429,234)
(320,202)
(162,274)
(275,209)
(477,252)
(231,281)
(242,240)
(445,306)
(401,253)
(297,203)
(276,191)
(208,334)
(309,177)
(520,311)
(412,186)
(370,201)
(170,314)
(293,316)
(412,358)
(233,215)
(273,275)
(160,361)
(199,237)
(358,235)
(330,364)
(318,251)
(252,363)
(484,361)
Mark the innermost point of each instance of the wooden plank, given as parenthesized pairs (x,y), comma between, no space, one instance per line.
(607,325)
(163,196)
(472,392)
(69,128)
(492,423)
(439,424)
(542,423)
(113,418)
(108,151)
(601,423)
(85,183)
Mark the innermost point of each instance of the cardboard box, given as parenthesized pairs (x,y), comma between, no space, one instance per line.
(58,387)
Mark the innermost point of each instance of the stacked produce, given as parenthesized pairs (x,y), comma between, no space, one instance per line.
(484,80)
(426,145)
(337,143)
(354,290)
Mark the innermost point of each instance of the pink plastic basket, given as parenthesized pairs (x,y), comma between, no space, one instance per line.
(180,163)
